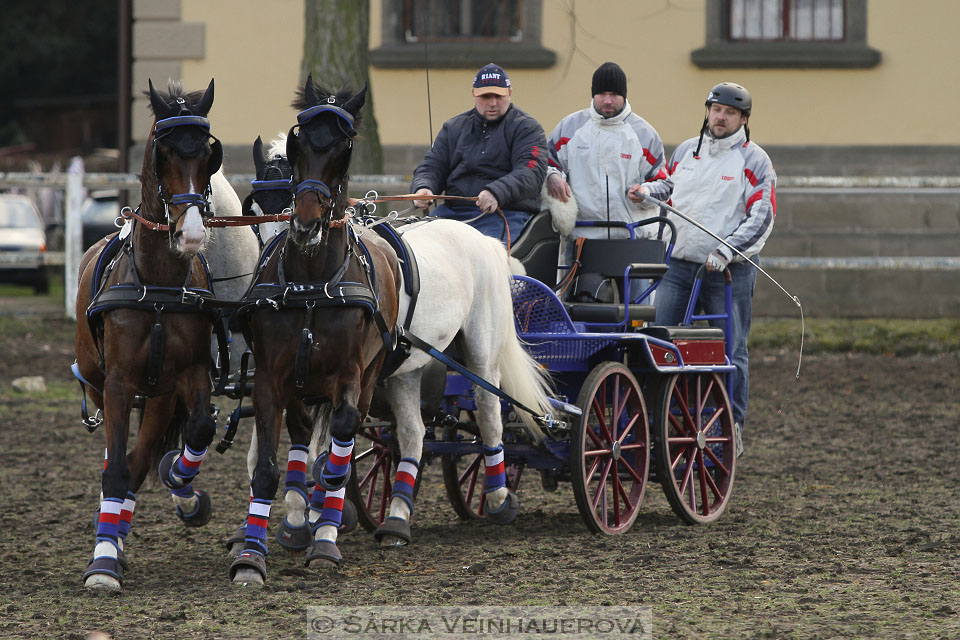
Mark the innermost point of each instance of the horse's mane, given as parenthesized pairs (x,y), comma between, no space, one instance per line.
(175,90)
(278,146)
(341,96)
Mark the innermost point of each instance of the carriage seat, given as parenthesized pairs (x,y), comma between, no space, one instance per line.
(609,313)
(603,262)
(538,247)
(684,333)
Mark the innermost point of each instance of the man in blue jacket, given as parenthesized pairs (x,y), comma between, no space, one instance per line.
(494,152)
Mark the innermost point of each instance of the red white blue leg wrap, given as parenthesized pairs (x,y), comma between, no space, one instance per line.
(406,481)
(495,475)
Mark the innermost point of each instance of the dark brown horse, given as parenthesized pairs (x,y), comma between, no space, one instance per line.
(321,313)
(144,326)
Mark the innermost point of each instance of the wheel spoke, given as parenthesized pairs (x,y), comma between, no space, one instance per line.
(602,485)
(601,413)
(593,436)
(372,473)
(588,476)
(633,473)
(702,473)
(617,489)
(716,461)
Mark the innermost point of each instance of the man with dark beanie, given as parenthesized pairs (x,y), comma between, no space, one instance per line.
(604,156)
(495,152)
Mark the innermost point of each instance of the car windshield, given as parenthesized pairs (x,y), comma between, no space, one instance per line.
(17,215)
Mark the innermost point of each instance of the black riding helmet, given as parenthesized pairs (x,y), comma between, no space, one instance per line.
(731,95)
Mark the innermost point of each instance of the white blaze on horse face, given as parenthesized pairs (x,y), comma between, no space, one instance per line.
(192,232)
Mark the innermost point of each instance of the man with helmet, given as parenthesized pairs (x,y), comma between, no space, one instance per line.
(604,156)
(725,182)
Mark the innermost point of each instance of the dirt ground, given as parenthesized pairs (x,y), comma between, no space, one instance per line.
(843,523)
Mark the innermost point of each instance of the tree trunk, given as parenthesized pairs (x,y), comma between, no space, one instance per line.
(336,52)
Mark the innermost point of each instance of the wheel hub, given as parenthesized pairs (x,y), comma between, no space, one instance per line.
(702,439)
(615,451)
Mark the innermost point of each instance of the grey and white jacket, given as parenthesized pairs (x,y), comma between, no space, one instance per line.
(730,189)
(588,149)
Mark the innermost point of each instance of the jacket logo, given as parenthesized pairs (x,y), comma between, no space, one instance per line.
(626,156)
(726,177)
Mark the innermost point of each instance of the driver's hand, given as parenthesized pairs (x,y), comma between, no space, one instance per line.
(426,202)
(636,189)
(487,202)
(557,187)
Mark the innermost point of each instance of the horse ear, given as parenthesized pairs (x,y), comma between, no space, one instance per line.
(355,103)
(258,160)
(160,107)
(309,92)
(206,101)
(292,148)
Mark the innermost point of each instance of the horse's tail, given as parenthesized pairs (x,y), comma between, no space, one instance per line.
(520,375)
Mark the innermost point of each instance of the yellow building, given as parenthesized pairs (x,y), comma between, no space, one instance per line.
(888,81)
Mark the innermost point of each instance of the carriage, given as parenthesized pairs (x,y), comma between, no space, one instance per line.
(636,402)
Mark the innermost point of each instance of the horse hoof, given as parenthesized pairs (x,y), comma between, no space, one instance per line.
(293,538)
(507,511)
(249,568)
(394,532)
(329,483)
(104,573)
(201,515)
(349,519)
(102,582)
(236,541)
(323,553)
(163,469)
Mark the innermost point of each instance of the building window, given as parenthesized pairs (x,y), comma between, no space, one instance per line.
(786,20)
(461,34)
(786,33)
(463,20)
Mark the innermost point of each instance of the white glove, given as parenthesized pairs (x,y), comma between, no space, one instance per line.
(716,262)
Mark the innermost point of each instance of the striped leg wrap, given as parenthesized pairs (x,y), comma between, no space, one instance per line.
(330,472)
(406,480)
(332,511)
(184,470)
(126,515)
(316,505)
(297,470)
(495,475)
(257,518)
(108,529)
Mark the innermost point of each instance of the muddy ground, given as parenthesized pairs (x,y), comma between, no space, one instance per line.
(843,523)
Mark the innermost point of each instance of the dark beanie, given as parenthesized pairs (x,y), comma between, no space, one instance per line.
(609,77)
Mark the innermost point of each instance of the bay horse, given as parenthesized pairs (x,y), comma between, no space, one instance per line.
(317,337)
(144,327)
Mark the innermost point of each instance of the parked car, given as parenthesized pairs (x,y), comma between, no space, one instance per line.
(99,213)
(23,242)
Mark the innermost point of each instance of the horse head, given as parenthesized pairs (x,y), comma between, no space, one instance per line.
(319,150)
(272,190)
(181,156)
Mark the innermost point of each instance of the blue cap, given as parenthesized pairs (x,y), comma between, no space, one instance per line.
(491,79)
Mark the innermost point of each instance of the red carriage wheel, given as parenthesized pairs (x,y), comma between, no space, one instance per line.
(610,449)
(694,445)
(371,483)
(463,475)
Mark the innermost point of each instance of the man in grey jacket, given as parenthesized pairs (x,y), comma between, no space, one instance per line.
(725,182)
(494,152)
(604,156)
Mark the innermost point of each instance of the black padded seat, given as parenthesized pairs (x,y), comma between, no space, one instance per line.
(538,248)
(684,333)
(608,313)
